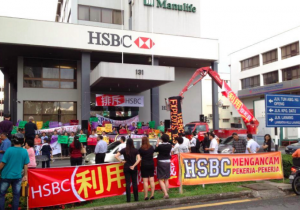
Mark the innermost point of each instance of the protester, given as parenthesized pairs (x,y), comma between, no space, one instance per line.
(30,129)
(44,137)
(100,150)
(54,136)
(15,159)
(114,131)
(75,152)
(6,126)
(65,147)
(29,146)
(213,147)
(37,140)
(181,148)
(6,143)
(147,167)
(161,123)
(93,135)
(122,145)
(206,142)
(216,137)
(46,151)
(132,159)
(195,143)
(267,143)
(252,146)
(238,145)
(164,163)
(186,141)
(175,146)
(71,138)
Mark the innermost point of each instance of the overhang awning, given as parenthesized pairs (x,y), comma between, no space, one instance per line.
(118,77)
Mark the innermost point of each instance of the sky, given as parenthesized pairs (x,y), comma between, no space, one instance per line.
(235,23)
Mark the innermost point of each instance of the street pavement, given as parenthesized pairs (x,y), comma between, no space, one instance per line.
(282,203)
(57,163)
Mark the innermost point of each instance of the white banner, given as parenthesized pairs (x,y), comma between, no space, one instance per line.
(101,119)
(119,100)
(56,148)
(60,130)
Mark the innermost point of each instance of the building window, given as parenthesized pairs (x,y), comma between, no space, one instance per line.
(250,82)
(270,57)
(250,63)
(226,120)
(271,78)
(290,50)
(50,111)
(291,73)
(43,73)
(97,14)
(225,107)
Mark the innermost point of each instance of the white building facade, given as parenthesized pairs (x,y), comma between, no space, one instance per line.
(269,66)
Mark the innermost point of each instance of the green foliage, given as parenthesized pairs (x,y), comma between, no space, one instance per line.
(287,161)
(9,198)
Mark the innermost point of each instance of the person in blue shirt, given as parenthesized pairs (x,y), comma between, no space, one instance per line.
(15,159)
(6,143)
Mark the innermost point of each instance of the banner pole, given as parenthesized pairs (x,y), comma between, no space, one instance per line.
(180,177)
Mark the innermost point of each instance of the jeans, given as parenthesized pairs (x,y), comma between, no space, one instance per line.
(76,161)
(16,188)
(133,175)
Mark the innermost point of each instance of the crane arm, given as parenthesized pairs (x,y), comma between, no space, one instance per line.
(250,121)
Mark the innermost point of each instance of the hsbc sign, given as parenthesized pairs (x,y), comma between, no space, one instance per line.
(115,40)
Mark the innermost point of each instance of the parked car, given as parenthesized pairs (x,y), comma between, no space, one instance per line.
(292,148)
(113,149)
(225,146)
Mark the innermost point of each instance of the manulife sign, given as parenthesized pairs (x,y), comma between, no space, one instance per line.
(164,4)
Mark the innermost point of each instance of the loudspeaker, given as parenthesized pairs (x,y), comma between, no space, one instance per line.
(201,117)
(167,124)
(84,125)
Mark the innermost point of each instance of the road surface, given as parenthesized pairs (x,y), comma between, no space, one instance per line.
(284,203)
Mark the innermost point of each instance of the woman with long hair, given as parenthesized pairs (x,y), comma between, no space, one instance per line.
(164,163)
(75,152)
(131,160)
(147,167)
(267,143)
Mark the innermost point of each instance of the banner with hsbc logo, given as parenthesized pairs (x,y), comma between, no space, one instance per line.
(119,100)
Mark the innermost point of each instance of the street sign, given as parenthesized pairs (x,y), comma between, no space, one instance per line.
(282,110)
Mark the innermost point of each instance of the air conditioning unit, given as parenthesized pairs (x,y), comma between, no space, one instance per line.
(210,116)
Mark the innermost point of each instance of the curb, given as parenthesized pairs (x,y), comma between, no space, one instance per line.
(174,201)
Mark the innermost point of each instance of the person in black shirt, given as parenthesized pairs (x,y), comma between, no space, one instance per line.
(164,163)
(147,167)
(6,126)
(205,143)
(267,143)
(46,151)
(30,129)
(132,159)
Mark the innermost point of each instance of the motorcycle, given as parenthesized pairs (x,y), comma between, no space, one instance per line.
(295,176)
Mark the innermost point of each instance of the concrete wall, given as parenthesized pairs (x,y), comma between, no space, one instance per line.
(145,112)
(43,94)
(165,21)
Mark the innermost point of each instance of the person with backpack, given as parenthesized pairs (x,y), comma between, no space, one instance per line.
(195,143)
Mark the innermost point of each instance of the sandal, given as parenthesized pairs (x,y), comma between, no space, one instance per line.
(152,198)
(146,199)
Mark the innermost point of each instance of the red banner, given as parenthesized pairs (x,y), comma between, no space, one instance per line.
(119,100)
(56,186)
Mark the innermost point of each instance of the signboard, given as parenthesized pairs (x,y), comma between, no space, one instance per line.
(171,6)
(108,128)
(63,139)
(119,100)
(282,110)
(176,116)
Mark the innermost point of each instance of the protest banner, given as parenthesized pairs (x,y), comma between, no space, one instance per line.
(101,119)
(108,128)
(63,139)
(119,100)
(210,169)
(57,186)
(92,141)
(82,138)
(62,129)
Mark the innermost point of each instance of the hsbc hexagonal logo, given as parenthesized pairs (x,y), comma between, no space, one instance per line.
(115,40)
(144,42)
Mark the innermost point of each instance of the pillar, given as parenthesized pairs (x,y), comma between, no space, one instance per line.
(155,99)
(85,88)
(6,93)
(215,99)
(13,103)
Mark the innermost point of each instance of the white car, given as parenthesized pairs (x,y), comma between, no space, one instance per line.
(112,150)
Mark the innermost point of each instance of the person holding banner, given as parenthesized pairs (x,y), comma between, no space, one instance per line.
(71,138)
(75,152)
(44,137)
(132,159)
(147,167)
(65,147)
(164,163)
(213,147)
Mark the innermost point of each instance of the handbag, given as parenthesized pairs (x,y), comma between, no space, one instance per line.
(83,150)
